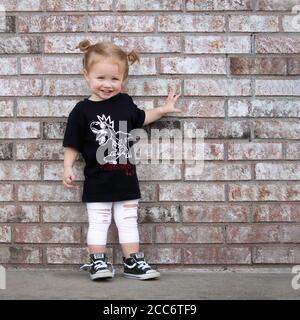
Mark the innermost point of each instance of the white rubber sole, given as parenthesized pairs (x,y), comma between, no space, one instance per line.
(99,275)
(142,276)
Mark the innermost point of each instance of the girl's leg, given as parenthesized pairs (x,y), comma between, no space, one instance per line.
(125,216)
(99,215)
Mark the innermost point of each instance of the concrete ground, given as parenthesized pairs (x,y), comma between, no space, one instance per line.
(175,284)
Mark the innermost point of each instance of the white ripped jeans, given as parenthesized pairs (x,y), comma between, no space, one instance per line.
(125,217)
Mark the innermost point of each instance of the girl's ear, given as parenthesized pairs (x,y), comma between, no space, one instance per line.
(85,74)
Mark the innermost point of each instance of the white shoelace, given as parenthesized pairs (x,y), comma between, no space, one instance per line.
(97,265)
(143,265)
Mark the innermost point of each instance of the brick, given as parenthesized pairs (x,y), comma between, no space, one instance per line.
(139,5)
(6,151)
(189,234)
(46,192)
(217,255)
(162,213)
(217,44)
(39,150)
(116,23)
(216,129)
(291,23)
(20,255)
(214,107)
(21,87)
(158,172)
(218,171)
(277,5)
(217,87)
(67,43)
(20,171)
(81,5)
(46,234)
(19,129)
(5,234)
(145,67)
(191,23)
(280,212)
(7,192)
(8,66)
(264,192)
(149,44)
(152,87)
(208,5)
(8,24)
(275,108)
(42,107)
(273,66)
(254,151)
(64,213)
(189,191)
(51,23)
(266,255)
(6,108)
(277,87)
(65,87)
(156,255)
(282,129)
(213,151)
(207,65)
(293,150)
(70,255)
(290,233)
(277,171)
(19,213)
(23,5)
(22,44)
(50,65)
(253,23)
(148,192)
(53,130)
(294,66)
(54,171)
(277,44)
(215,213)
(252,234)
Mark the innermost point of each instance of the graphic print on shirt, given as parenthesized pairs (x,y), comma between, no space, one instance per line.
(115,142)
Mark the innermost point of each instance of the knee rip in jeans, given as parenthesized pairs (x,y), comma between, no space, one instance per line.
(105,213)
(128,206)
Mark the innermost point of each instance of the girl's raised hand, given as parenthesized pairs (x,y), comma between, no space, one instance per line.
(170,103)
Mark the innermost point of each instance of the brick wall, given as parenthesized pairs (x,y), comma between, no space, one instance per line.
(237,65)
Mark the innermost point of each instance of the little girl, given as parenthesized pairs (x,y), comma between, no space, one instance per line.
(98,127)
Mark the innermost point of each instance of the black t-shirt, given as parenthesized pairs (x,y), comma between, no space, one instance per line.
(94,130)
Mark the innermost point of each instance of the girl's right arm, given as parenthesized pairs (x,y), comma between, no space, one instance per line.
(70,155)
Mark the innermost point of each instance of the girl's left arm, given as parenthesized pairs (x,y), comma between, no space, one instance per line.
(156,113)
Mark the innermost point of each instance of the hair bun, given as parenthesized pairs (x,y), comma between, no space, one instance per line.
(133,56)
(84,45)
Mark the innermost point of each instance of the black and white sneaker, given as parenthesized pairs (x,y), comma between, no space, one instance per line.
(136,267)
(99,266)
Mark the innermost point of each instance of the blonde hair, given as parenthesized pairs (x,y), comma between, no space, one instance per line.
(106,49)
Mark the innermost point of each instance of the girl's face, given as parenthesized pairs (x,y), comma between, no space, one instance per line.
(104,78)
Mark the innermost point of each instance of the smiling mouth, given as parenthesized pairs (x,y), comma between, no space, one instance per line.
(106,91)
